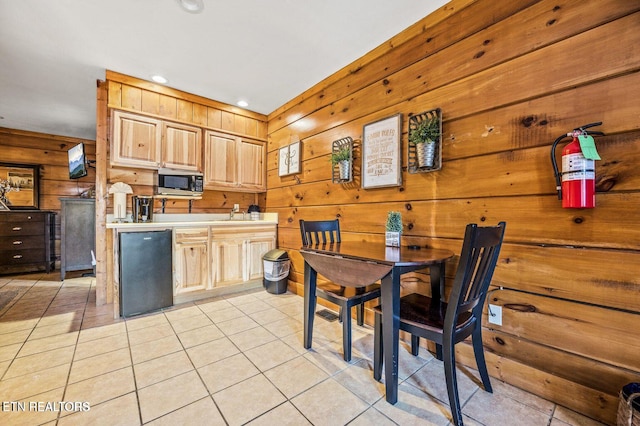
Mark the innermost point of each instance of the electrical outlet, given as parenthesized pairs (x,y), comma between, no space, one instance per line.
(495,314)
(236,207)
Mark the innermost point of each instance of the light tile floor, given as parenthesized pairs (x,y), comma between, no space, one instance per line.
(234,360)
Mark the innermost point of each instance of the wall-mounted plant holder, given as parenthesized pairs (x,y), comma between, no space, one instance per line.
(425,142)
(342,160)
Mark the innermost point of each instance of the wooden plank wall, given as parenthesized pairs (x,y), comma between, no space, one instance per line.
(510,77)
(50,153)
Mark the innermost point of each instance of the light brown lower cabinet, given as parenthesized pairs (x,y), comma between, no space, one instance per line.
(210,258)
(191,260)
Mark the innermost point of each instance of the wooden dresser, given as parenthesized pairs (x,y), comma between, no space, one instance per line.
(27,241)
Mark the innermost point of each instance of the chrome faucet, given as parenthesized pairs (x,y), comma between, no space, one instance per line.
(234,210)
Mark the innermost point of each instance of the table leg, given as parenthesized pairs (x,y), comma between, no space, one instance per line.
(437,275)
(390,300)
(310,277)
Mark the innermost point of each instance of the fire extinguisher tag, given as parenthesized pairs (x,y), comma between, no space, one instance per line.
(588,147)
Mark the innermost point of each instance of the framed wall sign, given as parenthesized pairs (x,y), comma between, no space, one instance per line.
(381,160)
(289,159)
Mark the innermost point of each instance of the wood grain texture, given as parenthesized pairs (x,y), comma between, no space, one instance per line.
(506,82)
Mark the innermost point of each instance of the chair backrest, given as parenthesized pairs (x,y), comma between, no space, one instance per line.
(478,259)
(314,232)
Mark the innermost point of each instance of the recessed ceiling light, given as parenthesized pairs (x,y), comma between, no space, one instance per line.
(243,104)
(159,79)
(191,6)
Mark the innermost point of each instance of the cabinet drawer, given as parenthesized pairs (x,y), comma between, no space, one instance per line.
(17,257)
(19,242)
(12,228)
(17,216)
(184,235)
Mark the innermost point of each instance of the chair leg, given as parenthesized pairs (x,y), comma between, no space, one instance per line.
(377,347)
(360,308)
(478,350)
(346,333)
(452,382)
(415,345)
(360,314)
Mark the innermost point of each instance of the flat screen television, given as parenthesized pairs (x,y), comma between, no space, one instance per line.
(77,162)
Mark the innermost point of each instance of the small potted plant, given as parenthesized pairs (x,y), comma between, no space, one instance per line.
(393,229)
(342,157)
(424,136)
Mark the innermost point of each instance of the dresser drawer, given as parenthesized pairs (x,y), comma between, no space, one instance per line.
(10,229)
(17,216)
(20,242)
(18,257)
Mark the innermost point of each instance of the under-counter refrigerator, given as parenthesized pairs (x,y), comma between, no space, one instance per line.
(146,277)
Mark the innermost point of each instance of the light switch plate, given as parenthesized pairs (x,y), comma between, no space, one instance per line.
(495,314)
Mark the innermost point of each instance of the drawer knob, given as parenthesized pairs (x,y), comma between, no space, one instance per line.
(28,217)
(17,243)
(17,228)
(17,256)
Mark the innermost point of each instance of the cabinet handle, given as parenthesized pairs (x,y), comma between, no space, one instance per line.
(28,217)
(17,243)
(17,256)
(17,228)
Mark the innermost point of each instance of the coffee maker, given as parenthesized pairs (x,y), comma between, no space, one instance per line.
(142,207)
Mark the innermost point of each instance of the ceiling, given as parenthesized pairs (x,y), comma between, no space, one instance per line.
(263,51)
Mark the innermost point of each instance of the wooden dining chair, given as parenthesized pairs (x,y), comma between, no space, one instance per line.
(449,323)
(328,232)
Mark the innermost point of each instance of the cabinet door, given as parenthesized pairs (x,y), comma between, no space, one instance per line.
(181,147)
(256,248)
(228,262)
(251,160)
(220,160)
(191,260)
(135,140)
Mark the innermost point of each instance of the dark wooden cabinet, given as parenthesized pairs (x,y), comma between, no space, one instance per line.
(77,234)
(27,241)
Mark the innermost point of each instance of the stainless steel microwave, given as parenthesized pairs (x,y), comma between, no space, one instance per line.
(173,182)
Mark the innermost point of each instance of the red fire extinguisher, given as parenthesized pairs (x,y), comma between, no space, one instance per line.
(576,184)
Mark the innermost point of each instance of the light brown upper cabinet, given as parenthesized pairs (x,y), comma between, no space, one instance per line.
(135,140)
(149,143)
(181,146)
(233,162)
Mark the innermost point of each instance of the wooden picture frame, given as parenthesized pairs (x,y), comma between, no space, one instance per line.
(381,159)
(26,178)
(289,159)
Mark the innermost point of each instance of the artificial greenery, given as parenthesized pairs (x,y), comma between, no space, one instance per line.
(425,131)
(394,222)
(344,153)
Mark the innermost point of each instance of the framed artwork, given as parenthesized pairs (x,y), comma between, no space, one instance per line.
(381,160)
(19,186)
(289,159)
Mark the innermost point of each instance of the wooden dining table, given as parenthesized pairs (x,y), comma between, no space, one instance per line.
(354,264)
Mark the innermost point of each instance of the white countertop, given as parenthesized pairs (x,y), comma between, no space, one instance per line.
(195,219)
